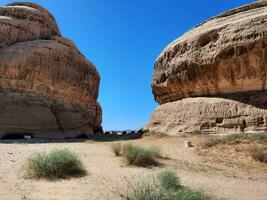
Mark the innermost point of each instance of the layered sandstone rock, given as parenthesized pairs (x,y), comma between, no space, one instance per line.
(47,87)
(208,115)
(224,57)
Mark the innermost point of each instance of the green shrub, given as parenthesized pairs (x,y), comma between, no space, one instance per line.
(168,180)
(145,190)
(55,165)
(259,153)
(186,194)
(150,190)
(139,156)
(155,151)
(116,148)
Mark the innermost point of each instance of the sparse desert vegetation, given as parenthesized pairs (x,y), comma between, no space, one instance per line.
(137,155)
(116,148)
(237,148)
(109,175)
(140,156)
(168,180)
(165,187)
(214,140)
(155,134)
(55,164)
(208,83)
(259,153)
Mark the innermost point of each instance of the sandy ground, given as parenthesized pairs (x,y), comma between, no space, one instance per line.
(108,174)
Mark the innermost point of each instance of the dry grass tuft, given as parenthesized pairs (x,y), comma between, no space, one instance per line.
(169,180)
(116,148)
(237,148)
(165,188)
(154,134)
(211,141)
(258,153)
(139,156)
(56,164)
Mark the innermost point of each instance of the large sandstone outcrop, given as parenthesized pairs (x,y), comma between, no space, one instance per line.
(224,57)
(47,87)
(210,115)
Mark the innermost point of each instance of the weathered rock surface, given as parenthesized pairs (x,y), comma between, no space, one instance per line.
(208,115)
(224,57)
(47,87)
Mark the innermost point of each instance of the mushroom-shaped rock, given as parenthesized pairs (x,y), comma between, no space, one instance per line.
(224,57)
(225,54)
(47,87)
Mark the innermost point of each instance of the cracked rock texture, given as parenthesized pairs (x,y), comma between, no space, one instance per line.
(223,57)
(208,115)
(47,87)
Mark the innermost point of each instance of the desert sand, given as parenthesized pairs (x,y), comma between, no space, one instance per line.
(108,175)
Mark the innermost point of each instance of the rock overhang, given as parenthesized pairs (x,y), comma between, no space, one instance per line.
(212,79)
(222,55)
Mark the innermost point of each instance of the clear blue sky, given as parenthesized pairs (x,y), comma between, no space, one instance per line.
(123,38)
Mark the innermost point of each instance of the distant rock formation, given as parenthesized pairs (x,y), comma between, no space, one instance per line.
(224,57)
(47,87)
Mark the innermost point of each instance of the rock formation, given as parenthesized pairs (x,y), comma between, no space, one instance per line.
(47,87)
(223,61)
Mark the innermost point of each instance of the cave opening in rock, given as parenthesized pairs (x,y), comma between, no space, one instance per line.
(15,136)
(219,120)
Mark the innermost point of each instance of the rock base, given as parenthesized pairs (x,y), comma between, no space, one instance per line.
(207,115)
(46,118)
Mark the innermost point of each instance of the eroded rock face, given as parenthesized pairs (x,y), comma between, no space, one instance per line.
(47,87)
(208,115)
(224,57)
